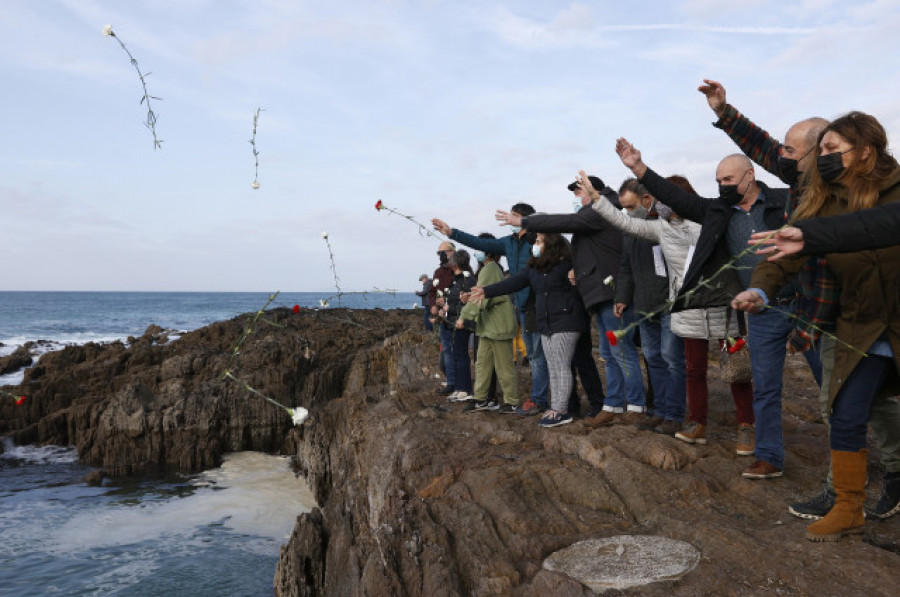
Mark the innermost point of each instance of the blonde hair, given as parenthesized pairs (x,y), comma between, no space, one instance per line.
(862,178)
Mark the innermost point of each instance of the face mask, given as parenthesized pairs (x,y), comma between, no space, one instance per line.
(479,256)
(787,167)
(830,165)
(665,212)
(516,229)
(730,193)
(536,250)
(576,205)
(639,212)
(442,255)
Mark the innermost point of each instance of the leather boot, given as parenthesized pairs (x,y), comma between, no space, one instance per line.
(846,517)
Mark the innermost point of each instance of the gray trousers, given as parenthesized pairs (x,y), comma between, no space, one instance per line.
(559,348)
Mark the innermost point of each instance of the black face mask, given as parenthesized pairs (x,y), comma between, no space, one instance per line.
(442,255)
(830,165)
(729,192)
(787,167)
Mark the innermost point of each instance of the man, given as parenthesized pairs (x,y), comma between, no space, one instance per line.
(441,282)
(517,249)
(744,206)
(819,296)
(596,251)
(642,286)
(425,281)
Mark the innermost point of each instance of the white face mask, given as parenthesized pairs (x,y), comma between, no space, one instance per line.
(536,250)
(576,205)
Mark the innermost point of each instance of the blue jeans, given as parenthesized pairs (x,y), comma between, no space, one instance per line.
(428,325)
(664,353)
(462,369)
(673,353)
(447,354)
(767,333)
(540,376)
(853,404)
(624,383)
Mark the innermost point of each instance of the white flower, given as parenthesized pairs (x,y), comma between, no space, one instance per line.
(608,281)
(415,305)
(436,282)
(440,293)
(298,415)
(466,274)
(325,235)
(323,303)
(107,30)
(255,185)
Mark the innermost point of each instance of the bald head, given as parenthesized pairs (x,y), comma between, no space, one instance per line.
(737,169)
(801,139)
(736,161)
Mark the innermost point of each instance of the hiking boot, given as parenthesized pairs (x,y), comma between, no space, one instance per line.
(528,408)
(761,470)
(506,409)
(554,419)
(846,517)
(606,417)
(694,434)
(889,504)
(816,507)
(669,427)
(650,423)
(746,440)
(632,418)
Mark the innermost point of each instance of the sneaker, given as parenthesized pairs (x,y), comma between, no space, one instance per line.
(605,418)
(506,409)
(474,405)
(889,504)
(463,397)
(761,470)
(669,427)
(694,434)
(528,408)
(554,419)
(815,508)
(632,418)
(650,423)
(445,390)
(486,405)
(746,440)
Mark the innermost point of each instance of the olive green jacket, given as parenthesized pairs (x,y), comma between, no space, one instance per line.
(495,318)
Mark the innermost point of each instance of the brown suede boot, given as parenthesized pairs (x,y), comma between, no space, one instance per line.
(846,517)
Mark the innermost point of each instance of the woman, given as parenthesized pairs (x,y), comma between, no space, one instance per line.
(495,328)
(560,315)
(696,326)
(463,280)
(855,171)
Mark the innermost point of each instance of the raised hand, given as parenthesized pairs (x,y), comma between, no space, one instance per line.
(630,156)
(715,96)
(508,218)
(441,226)
(585,183)
(784,242)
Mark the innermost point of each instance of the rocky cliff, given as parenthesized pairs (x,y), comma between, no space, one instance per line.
(418,498)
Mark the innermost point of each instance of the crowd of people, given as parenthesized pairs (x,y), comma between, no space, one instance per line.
(811,268)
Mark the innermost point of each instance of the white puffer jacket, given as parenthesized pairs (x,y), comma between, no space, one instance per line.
(676,239)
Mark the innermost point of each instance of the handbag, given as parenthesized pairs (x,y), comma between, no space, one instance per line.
(736,365)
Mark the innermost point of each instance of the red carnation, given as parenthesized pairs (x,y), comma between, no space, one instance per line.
(612,338)
(379,206)
(296,308)
(737,345)
(20,400)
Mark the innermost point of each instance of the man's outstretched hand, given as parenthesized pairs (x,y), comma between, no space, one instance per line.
(715,96)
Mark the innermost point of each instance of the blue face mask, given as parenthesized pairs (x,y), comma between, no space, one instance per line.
(516,229)
(479,256)
(536,250)
(576,205)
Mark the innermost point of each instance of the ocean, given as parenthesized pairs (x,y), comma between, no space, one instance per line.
(212,534)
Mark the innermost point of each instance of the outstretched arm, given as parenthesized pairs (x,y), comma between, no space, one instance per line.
(648,229)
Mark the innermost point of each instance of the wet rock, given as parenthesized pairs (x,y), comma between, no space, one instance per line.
(94,478)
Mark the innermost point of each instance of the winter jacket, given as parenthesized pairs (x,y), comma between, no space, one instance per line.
(711,251)
(462,282)
(675,239)
(495,318)
(639,285)
(871,286)
(875,228)
(557,303)
(425,292)
(516,249)
(444,278)
(596,248)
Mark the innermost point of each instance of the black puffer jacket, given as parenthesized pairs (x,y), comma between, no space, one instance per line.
(557,304)
(875,228)
(596,247)
(462,282)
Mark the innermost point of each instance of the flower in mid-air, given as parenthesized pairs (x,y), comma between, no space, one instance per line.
(296,309)
(298,415)
(323,303)
(380,205)
(325,235)
(20,400)
(254,185)
(107,30)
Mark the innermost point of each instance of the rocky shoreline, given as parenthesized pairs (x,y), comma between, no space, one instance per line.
(418,498)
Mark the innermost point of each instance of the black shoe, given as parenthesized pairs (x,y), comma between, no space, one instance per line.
(489,405)
(506,409)
(815,508)
(889,504)
(445,390)
(474,405)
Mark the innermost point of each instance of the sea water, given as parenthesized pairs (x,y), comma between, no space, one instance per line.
(213,534)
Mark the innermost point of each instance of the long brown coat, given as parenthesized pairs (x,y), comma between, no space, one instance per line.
(870,296)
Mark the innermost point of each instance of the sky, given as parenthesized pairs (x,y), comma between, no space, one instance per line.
(437,108)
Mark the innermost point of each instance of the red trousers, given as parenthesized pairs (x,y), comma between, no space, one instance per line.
(696,357)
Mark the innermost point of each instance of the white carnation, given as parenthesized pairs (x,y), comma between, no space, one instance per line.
(325,235)
(298,415)
(323,303)
(608,281)
(107,30)
(255,185)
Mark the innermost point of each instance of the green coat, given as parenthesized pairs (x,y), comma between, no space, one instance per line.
(870,295)
(495,318)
